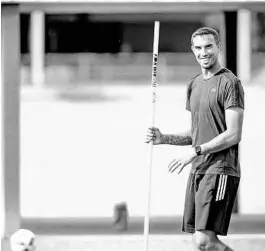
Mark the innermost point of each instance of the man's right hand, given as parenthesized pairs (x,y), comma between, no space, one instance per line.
(153,134)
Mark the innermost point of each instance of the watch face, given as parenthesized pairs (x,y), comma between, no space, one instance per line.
(198,150)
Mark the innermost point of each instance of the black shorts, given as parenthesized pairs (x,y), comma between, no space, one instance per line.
(209,202)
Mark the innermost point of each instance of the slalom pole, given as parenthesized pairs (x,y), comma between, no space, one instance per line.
(153,99)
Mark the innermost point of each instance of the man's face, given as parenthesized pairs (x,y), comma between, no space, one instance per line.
(205,50)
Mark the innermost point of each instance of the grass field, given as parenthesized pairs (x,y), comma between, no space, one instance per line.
(135,243)
(82,151)
(86,148)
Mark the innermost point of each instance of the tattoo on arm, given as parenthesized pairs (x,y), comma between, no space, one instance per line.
(179,140)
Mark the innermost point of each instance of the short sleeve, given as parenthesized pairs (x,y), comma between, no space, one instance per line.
(188,107)
(233,94)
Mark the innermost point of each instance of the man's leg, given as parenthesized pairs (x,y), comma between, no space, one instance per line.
(188,224)
(205,240)
(194,242)
(214,202)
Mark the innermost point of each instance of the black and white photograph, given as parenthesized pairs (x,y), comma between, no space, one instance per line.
(132,125)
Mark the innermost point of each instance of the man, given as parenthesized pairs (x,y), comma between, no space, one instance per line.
(215,99)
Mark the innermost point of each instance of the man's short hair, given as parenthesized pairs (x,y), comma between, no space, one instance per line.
(206,31)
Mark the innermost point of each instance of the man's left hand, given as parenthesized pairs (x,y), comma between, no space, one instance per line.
(179,164)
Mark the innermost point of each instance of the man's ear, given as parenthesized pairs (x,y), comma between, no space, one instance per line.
(192,48)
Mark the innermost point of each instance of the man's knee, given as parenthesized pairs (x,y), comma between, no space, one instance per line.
(205,240)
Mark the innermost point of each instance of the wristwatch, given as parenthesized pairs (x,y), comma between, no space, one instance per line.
(198,150)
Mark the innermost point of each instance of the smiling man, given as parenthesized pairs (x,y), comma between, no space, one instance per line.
(215,99)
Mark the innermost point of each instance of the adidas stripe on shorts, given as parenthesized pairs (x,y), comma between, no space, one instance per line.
(209,202)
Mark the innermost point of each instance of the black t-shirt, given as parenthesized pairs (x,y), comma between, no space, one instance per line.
(207,101)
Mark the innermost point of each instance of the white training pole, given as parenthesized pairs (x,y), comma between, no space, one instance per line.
(153,88)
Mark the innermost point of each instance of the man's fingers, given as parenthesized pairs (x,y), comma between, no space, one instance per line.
(180,168)
(151,132)
(173,165)
(150,135)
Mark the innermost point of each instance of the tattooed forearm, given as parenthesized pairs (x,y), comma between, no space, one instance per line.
(180,140)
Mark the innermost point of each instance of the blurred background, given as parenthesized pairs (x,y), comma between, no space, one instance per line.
(84,78)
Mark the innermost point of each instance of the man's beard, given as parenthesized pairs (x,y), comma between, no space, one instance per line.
(209,67)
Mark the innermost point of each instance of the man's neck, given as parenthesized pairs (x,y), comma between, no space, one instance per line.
(208,73)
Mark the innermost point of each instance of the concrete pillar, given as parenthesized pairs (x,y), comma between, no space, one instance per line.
(222,33)
(244,48)
(10,118)
(216,20)
(37,48)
